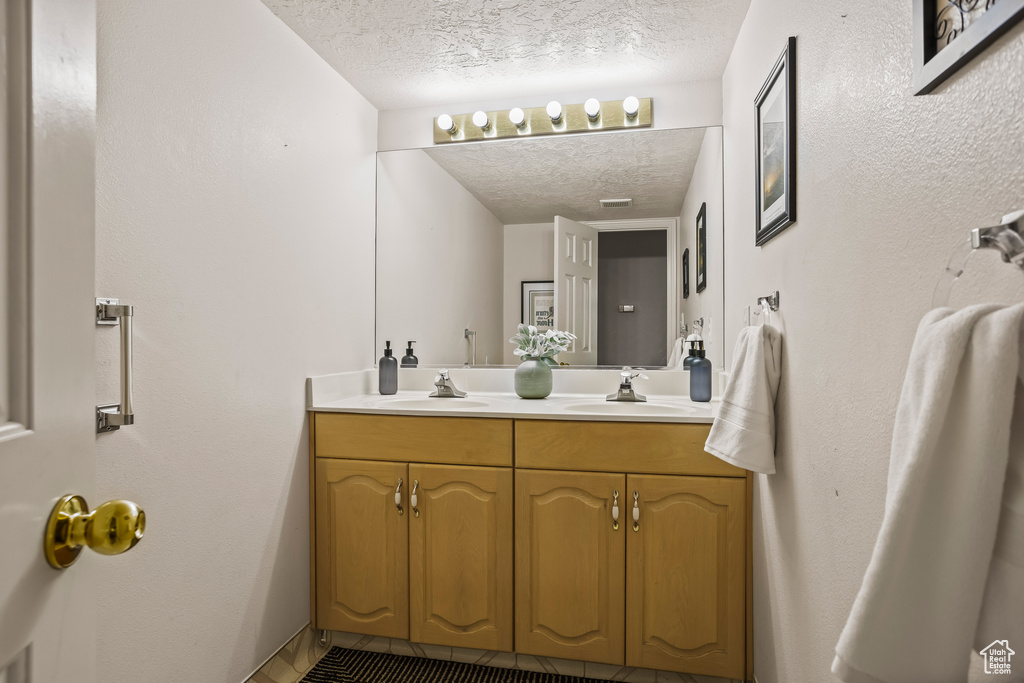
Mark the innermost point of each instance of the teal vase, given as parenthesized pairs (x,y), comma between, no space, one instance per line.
(533,378)
(549,360)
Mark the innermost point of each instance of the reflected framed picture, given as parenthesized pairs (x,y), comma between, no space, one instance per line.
(702,248)
(538,304)
(686,273)
(775,143)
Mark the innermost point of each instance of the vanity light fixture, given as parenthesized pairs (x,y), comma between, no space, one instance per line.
(518,117)
(554,110)
(445,123)
(631,107)
(481,121)
(554,119)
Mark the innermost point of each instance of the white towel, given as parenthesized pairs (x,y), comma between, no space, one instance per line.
(676,359)
(744,429)
(923,602)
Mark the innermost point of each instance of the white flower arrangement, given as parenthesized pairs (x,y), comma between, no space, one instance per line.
(534,344)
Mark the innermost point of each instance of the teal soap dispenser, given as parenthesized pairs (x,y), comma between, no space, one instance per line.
(700,376)
(387,369)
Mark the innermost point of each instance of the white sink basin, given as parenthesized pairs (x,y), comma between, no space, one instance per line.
(429,403)
(628,408)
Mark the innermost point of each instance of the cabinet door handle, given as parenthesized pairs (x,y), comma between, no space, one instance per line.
(398,497)
(615,510)
(636,511)
(412,498)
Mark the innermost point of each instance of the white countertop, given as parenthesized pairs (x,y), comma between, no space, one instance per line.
(356,393)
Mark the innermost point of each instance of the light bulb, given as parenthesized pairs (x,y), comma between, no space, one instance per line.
(445,123)
(518,117)
(481,121)
(554,111)
(631,106)
(593,108)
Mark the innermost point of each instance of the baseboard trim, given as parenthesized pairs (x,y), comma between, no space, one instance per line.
(276,653)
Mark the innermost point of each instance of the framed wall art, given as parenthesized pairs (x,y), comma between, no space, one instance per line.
(702,248)
(686,273)
(775,144)
(538,304)
(950,33)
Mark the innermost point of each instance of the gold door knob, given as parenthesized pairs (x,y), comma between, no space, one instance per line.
(111,529)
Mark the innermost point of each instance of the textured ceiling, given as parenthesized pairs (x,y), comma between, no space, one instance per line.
(531,181)
(399,53)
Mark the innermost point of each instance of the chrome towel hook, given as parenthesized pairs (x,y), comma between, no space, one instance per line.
(772,300)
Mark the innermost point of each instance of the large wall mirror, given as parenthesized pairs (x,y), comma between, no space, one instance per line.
(473,237)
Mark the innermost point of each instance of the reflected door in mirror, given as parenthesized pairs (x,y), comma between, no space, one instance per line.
(576,289)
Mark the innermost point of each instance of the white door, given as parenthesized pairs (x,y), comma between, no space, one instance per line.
(47,402)
(576,289)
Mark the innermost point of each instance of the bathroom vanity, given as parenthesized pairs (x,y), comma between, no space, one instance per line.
(538,527)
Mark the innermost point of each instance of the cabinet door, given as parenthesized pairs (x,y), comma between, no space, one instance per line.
(460,556)
(570,565)
(685,575)
(362,547)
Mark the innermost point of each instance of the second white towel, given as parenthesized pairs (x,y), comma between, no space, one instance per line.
(743,433)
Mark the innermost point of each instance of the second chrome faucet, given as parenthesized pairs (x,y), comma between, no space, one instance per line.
(626,392)
(444,387)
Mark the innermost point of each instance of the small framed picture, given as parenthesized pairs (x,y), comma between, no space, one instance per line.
(538,304)
(950,33)
(686,273)
(702,248)
(775,142)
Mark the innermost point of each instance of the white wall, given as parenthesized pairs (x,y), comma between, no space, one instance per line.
(438,263)
(529,255)
(705,187)
(692,104)
(888,183)
(235,184)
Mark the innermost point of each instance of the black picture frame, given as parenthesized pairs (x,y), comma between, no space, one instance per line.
(702,248)
(686,273)
(775,152)
(531,291)
(937,19)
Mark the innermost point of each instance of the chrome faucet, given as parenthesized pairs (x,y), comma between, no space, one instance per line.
(625,392)
(445,387)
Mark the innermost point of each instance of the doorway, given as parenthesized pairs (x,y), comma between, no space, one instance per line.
(632,300)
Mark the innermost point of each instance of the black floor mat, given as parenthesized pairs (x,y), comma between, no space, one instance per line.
(354,666)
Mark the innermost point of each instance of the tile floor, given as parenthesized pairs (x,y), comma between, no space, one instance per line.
(305,650)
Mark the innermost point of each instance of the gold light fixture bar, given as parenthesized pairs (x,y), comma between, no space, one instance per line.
(538,122)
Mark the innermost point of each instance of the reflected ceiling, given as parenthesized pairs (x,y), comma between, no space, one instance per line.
(529,181)
(399,53)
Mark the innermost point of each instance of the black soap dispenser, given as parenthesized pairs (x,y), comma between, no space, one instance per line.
(387,369)
(409,360)
(700,376)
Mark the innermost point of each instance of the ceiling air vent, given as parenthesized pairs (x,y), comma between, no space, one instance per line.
(616,203)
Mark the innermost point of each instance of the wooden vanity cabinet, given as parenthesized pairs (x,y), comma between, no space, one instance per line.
(439,571)
(670,592)
(673,593)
